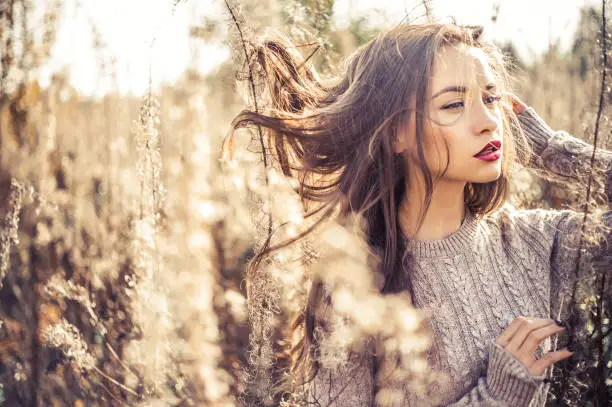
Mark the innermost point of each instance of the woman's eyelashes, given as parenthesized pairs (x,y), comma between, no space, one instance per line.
(490,99)
(494,98)
(451,106)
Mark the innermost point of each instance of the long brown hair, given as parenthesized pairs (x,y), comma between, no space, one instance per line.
(337,140)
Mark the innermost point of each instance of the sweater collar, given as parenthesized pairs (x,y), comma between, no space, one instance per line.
(456,242)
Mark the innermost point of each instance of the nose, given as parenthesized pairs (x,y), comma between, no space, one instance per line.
(485,119)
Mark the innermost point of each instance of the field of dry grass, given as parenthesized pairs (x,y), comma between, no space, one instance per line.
(125,238)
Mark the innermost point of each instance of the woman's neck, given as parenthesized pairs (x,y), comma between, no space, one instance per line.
(444,216)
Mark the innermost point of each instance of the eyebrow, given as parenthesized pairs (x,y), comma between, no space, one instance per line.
(461,89)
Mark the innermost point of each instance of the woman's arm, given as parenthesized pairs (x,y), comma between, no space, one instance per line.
(507,383)
(560,153)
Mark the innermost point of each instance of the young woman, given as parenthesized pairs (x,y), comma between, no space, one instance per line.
(418,136)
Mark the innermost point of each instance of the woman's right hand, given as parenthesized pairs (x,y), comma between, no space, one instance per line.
(522,337)
(518,106)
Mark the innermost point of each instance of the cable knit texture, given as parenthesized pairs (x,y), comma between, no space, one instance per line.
(476,281)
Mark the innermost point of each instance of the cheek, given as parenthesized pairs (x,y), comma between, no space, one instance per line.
(448,145)
(440,140)
(433,150)
(435,142)
(426,142)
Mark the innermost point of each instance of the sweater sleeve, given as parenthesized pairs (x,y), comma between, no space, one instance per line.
(567,156)
(507,383)
(562,154)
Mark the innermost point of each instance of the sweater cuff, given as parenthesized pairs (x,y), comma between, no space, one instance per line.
(508,379)
(538,132)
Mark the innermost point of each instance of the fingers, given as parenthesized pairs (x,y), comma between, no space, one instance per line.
(538,367)
(530,334)
(536,336)
(522,338)
(518,106)
(524,323)
(504,338)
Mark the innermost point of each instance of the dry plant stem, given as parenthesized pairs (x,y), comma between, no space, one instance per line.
(9,236)
(27,39)
(427,10)
(107,390)
(35,343)
(121,362)
(247,57)
(565,377)
(115,382)
(600,379)
(6,57)
(97,324)
(309,56)
(265,159)
(6,17)
(601,361)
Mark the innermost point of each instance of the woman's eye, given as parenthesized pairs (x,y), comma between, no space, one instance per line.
(494,98)
(455,105)
(491,99)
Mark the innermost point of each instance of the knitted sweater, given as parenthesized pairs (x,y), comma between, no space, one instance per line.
(477,280)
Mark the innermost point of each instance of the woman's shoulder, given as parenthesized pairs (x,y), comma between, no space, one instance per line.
(531,233)
(510,218)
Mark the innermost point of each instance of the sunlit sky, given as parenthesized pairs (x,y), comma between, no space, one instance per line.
(143,35)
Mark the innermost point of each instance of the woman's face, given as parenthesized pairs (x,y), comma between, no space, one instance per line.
(465,112)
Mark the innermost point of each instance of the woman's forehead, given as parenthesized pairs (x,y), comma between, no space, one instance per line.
(461,66)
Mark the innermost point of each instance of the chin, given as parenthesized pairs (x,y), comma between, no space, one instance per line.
(486,179)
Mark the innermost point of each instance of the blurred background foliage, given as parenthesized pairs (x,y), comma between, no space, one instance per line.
(110,203)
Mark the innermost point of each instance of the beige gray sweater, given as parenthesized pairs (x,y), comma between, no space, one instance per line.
(477,280)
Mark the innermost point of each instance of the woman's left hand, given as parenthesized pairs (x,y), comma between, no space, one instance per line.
(517,104)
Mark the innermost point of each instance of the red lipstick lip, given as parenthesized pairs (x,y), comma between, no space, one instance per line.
(494,143)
